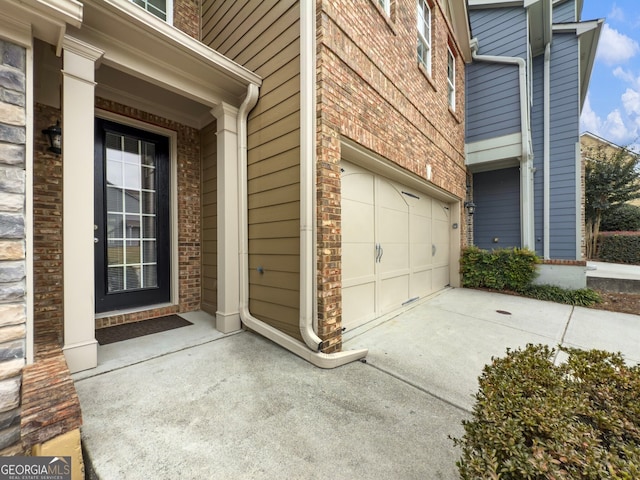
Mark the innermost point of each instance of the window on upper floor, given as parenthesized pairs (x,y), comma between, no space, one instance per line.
(163,9)
(451,78)
(386,6)
(424,34)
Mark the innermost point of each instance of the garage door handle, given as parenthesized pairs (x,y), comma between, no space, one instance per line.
(379,252)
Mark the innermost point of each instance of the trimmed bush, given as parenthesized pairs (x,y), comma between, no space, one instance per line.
(502,269)
(535,420)
(620,247)
(622,218)
(583,297)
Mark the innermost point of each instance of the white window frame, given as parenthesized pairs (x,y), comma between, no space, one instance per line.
(386,6)
(423,16)
(168,13)
(451,78)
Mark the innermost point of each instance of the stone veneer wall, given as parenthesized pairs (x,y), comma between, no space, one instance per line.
(12,241)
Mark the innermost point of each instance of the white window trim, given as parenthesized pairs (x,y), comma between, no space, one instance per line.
(169,11)
(386,6)
(451,79)
(426,42)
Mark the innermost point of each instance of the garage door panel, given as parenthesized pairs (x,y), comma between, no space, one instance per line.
(357,261)
(393,226)
(395,245)
(393,257)
(357,221)
(421,283)
(394,292)
(359,185)
(358,304)
(440,277)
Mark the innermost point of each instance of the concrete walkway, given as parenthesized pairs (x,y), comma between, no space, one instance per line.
(240,407)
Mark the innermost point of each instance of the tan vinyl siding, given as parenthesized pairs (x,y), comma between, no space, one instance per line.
(264,36)
(209,220)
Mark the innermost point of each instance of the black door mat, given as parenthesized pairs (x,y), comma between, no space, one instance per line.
(126,331)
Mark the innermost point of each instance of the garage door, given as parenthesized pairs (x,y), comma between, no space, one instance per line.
(395,245)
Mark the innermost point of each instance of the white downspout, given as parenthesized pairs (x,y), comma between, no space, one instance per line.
(546,152)
(310,349)
(526,176)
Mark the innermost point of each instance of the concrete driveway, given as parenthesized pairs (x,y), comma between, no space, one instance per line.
(238,406)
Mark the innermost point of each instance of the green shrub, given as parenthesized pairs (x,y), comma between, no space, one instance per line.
(622,218)
(502,269)
(535,420)
(584,297)
(620,247)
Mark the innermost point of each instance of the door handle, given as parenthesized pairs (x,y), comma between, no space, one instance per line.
(381,254)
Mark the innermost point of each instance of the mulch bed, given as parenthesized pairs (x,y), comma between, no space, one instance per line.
(127,331)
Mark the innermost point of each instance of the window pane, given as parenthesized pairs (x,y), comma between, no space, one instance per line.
(115,226)
(132,201)
(132,252)
(114,199)
(148,178)
(148,202)
(133,277)
(115,252)
(133,226)
(131,176)
(148,227)
(150,276)
(115,279)
(149,251)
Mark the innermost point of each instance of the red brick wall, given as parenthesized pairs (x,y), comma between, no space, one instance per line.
(47,233)
(372,90)
(186,17)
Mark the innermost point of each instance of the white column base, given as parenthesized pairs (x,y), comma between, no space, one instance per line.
(228,322)
(81,356)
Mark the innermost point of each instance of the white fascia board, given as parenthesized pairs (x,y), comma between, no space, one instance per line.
(132,38)
(495,3)
(494,149)
(461,28)
(578,27)
(68,10)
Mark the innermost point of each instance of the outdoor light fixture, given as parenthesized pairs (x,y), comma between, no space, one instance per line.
(471,207)
(54,134)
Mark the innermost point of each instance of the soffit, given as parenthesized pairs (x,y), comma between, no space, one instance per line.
(148,49)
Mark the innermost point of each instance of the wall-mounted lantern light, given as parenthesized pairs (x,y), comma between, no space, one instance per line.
(54,134)
(471,207)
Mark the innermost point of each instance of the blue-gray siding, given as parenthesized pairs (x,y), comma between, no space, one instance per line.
(497,197)
(565,12)
(492,89)
(564,136)
(537,136)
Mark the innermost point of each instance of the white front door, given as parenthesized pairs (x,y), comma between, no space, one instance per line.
(395,245)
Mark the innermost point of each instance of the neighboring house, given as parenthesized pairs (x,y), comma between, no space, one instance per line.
(525,91)
(593,143)
(293,167)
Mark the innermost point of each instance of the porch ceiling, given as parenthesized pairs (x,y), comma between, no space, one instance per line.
(147,52)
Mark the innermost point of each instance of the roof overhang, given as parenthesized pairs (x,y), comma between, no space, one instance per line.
(540,24)
(461,28)
(589,35)
(132,39)
(47,19)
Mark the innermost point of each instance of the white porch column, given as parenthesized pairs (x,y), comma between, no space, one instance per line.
(80,346)
(228,314)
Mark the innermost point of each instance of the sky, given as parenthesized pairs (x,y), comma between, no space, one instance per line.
(612,107)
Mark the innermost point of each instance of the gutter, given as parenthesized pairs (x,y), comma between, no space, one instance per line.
(546,248)
(310,349)
(526,173)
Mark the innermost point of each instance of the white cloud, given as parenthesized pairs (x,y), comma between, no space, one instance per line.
(589,120)
(614,128)
(616,14)
(615,47)
(631,102)
(627,76)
